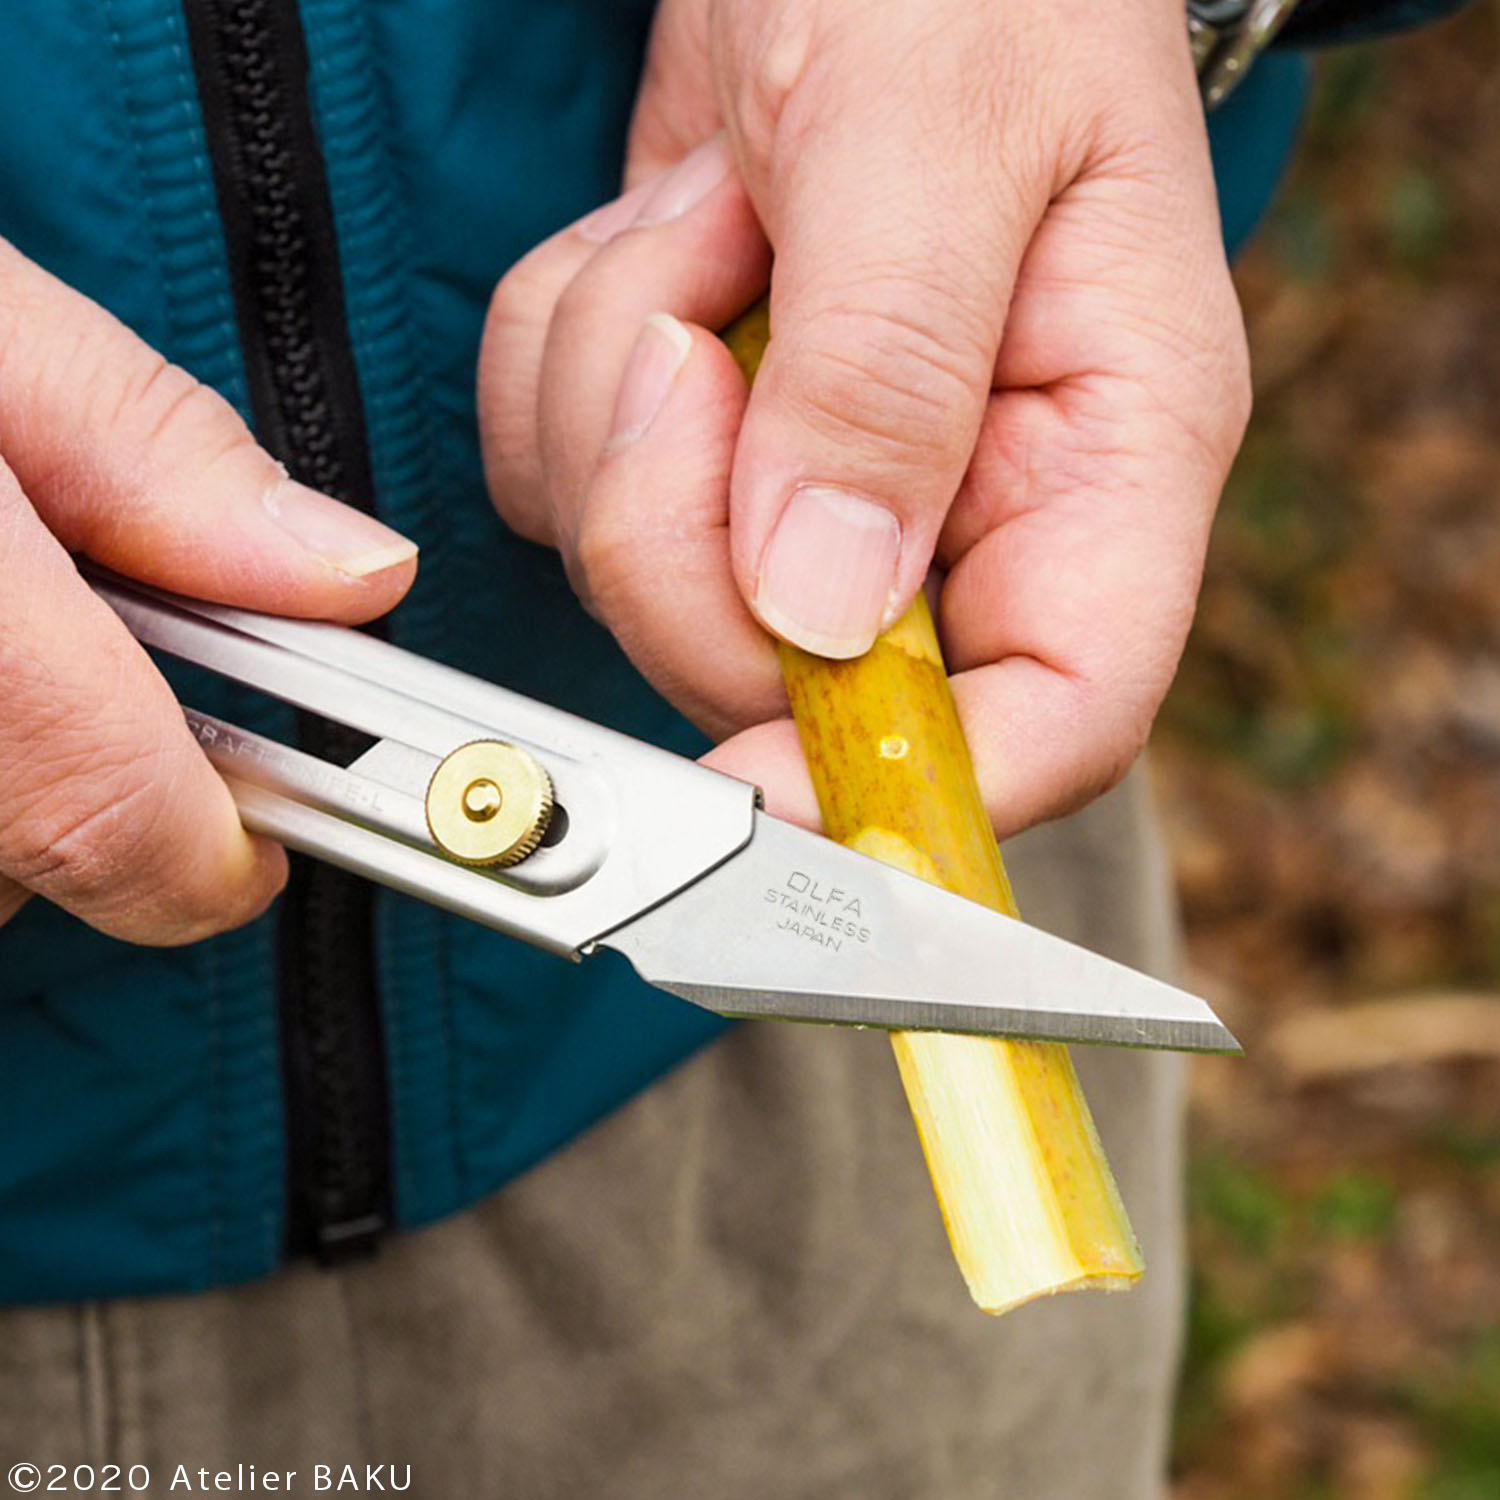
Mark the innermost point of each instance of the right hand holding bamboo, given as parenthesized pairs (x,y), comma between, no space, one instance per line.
(1006,342)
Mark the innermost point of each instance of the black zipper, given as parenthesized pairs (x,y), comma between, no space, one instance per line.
(250,62)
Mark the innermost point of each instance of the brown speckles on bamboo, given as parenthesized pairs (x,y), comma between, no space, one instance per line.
(1025,1191)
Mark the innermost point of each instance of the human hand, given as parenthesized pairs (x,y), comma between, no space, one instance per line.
(1006,344)
(107,805)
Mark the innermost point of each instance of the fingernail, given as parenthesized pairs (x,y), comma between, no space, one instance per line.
(828,571)
(689,182)
(661,348)
(616,216)
(336,534)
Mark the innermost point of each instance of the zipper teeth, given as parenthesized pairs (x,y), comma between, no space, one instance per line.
(279,246)
(251,62)
(346,1172)
(279,243)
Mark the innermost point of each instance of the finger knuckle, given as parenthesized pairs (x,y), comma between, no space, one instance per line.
(85,829)
(1125,748)
(592,297)
(1111,759)
(522,302)
(769,60)
(165,430)
(99,836)
(864,370)
(506,395)
(1216,419)
(157,403)
(117,388)
(1105,775)
(1196,376)
(19,309)
(527,518)
(1238,386)
(507,311)
(1126,691)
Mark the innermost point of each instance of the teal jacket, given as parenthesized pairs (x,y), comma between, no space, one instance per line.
(159,1130)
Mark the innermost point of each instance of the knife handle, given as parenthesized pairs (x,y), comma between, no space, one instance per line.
(1025,1191)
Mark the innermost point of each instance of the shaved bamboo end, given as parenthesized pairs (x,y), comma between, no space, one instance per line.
(1030,1206)
(1025,1192)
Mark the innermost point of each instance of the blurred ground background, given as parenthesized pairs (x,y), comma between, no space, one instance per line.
(1329,763)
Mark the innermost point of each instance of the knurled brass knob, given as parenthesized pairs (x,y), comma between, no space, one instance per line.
(488,804)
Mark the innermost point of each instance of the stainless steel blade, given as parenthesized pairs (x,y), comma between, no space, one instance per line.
(797,928)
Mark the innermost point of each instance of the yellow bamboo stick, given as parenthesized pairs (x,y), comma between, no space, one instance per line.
(1025,1191)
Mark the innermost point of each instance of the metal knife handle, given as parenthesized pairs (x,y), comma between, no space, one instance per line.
(354,822)
(641,823)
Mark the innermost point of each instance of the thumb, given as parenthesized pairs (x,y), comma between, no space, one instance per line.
(129,460)
(895,259)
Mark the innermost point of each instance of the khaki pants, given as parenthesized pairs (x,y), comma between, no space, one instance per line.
(735,1288)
